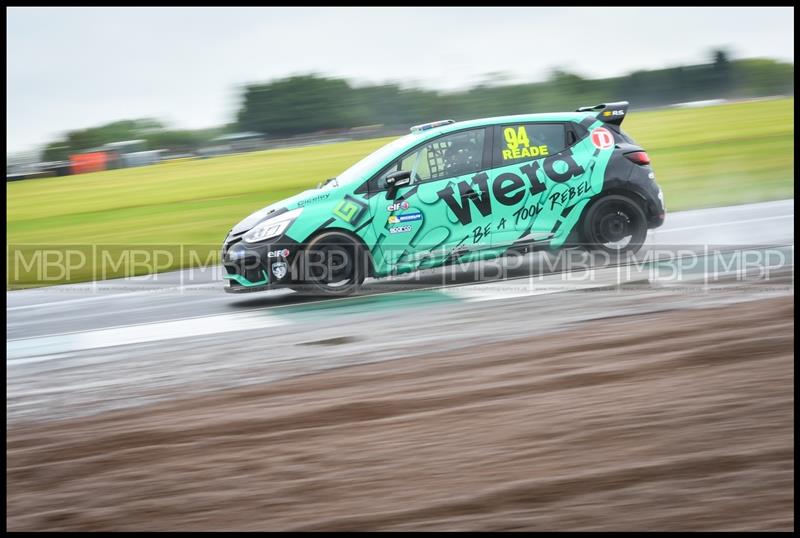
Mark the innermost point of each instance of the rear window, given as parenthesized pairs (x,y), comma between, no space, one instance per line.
(527,141)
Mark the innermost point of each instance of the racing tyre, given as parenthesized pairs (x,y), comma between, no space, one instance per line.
(333,264)
(615,225)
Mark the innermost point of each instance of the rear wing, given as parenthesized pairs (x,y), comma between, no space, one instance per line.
(612,113)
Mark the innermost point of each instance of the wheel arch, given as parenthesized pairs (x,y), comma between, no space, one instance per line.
(613,188)
(349,233)
(619,188)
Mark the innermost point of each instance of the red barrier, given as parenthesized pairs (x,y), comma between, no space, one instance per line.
(88,162)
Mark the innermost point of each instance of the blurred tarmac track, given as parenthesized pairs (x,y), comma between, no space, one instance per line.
(132,341)
(652,396)
(677,420)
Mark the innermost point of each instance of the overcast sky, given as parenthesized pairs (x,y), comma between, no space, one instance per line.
(72,68)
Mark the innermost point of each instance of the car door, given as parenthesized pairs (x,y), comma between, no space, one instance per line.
(420,224)
(538,174)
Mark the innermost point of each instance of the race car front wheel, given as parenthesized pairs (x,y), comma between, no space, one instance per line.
(614,225)
(332,264)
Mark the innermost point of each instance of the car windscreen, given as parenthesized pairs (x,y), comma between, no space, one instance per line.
(375,160)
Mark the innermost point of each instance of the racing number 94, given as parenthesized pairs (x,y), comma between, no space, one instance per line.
(518,145)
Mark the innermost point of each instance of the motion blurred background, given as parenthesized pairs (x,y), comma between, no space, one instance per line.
(167,125)
(532,403)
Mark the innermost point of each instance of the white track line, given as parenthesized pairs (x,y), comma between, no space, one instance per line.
(727,223)
(40,349)
(52,347)
(112,296)
(735,208)
(526,287)
(657,232)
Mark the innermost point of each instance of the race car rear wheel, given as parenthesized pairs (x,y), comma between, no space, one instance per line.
(332,264)
(614,225)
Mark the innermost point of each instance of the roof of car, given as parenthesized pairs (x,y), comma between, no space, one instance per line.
(518,118)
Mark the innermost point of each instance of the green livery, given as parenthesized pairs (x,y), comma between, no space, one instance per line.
(456,191)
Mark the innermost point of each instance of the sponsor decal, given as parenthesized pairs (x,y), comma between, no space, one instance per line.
(279,269)
(525,213)
(602,138)
(399,229)
(651,175)
(481,232)
(405,217)
(566,196)
(397,206)
(507,188)
(610,113)
(350,210)
(313,199)
(278,253)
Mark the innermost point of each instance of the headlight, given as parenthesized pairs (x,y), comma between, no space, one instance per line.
(271,227)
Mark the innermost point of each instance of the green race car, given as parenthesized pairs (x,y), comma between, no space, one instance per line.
(455,191)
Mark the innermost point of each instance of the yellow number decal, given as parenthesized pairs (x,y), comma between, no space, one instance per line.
(511,137)
(514,139)
(522,137)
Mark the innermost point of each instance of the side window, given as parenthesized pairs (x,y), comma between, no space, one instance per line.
(576,133)
(451,155)
(526,141)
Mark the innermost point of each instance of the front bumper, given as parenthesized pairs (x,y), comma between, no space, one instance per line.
(258,266)
(239,284)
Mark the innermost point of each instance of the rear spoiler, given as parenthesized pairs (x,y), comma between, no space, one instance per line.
(612,113)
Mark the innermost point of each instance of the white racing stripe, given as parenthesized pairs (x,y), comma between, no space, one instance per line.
(39,349)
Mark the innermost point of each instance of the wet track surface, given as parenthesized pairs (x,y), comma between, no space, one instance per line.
(89,347)
(651,396)
(190,293)
(671,420)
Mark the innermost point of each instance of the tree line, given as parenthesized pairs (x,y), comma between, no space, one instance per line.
(311,103)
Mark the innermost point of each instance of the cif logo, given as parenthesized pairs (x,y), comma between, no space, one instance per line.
(350,209)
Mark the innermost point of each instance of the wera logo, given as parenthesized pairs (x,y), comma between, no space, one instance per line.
(350,209)
(507,188)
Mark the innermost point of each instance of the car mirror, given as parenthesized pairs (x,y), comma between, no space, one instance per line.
(395,180)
